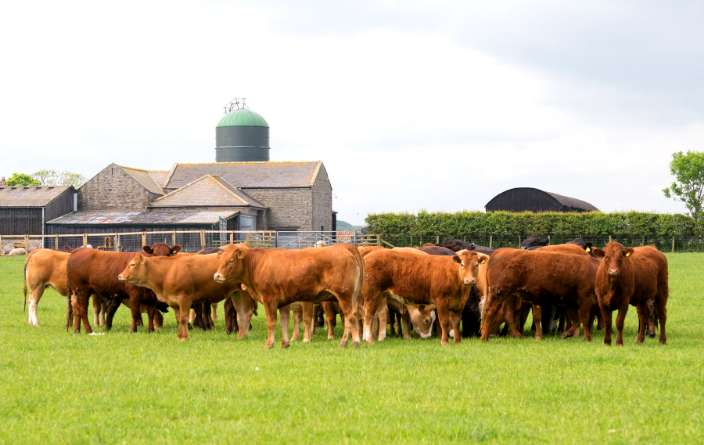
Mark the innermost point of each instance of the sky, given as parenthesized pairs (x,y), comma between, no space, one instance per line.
(413,105)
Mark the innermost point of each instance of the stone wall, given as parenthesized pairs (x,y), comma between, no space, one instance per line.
(288,208)
(322,201)
(112,188)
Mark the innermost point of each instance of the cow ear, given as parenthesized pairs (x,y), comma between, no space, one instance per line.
(176,249)
(456,259)
(629,251)
(483,259)
(148,250)
(597,252)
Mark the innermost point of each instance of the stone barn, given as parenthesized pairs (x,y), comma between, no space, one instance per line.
(528,199)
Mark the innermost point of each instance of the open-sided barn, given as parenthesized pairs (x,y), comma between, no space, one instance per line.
(24,210)
(523,199)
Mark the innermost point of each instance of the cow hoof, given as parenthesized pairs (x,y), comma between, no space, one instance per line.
(355,344)
(343,344)
(182,339)
(285,344)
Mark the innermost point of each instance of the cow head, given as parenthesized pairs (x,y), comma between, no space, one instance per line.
(135,271)
(422,318)
(231,263)
(469,262)
(161,249)
(615,258)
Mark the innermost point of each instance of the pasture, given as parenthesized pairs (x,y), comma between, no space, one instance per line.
(149,388)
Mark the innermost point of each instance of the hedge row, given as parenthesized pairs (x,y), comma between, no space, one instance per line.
(555,224)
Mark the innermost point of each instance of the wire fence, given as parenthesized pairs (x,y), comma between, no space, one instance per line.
(663,243)
(190,241)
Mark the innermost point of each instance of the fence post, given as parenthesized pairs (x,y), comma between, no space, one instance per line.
(117,243)
(673,243)
(609,238)
(232,237)
(437,239)
(491,240)
(85,239)
(144,239)
(173,238)
(56,242)
(202,239)
(549,242)
(519,241)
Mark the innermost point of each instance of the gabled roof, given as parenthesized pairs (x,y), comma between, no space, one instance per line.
(159,176)
(146,217)
(207,191)
(267,174)
(144,178)
(37,196)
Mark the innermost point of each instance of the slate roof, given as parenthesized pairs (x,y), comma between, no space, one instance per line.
(38,196)
(207,191)
(145,178)
(268,174)
(147,217)
(159,176)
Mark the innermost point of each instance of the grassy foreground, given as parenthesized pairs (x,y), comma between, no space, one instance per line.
(150,388)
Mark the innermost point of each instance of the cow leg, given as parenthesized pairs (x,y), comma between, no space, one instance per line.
(97,309)
(538,321)
(308,315)
(443,321)
(370,309)
(285,312)
(620,318)
(214,312)
(382,316)
(135,311)
(184,311)
(662,319)
(573,329)
(270,310)
(584,317)
(111,306)
(405,325)
(606,316)
(230,315)
(329,312)
(244,307)
(652,318)
(158,319)
(642,321)
(455,325)
(510,314)
(34,298)
(150,316)
(296,320)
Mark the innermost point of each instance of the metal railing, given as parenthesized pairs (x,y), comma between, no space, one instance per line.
(189,240)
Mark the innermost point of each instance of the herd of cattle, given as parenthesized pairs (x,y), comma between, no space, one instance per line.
(470,290)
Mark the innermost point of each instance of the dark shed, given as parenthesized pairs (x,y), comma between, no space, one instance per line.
(25,210)
(529,199)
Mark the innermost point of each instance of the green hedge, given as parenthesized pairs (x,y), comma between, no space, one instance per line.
(478,226)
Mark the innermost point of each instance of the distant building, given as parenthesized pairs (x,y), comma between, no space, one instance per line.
(25,210)
(243,190)
(530,199)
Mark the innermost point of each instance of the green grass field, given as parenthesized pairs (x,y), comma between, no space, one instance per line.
(149,388)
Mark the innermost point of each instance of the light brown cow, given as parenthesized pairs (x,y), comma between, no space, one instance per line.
(44,268)
(422,279)
(278,277)
(179,281)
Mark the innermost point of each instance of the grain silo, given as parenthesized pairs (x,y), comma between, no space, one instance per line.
(241,135)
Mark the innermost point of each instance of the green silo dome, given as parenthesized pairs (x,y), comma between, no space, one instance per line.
(242,118)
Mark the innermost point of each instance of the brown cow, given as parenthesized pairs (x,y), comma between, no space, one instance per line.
(91,271)
(636,276)
(538,276)
(421,279)
(278,277)
(179,281)
(44,268)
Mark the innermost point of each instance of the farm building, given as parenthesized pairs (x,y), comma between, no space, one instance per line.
(530,199)
(24,210)
(242,190)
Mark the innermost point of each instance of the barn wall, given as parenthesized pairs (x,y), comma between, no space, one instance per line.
(112,188)
(322,201)
(60,206)
(289,208)
(20,221)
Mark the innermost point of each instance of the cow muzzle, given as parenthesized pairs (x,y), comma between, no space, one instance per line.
(470,282)
(218,277)
(612,272)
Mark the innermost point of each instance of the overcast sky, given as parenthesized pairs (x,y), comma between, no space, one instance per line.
(435,105)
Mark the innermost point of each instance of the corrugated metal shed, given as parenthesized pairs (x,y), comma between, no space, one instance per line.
(531,199)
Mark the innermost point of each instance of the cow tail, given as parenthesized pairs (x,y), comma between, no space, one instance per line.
(356,294)
(24,289)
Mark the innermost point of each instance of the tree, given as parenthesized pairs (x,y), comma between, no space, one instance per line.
(21,179)
(54,178)
(688,187)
